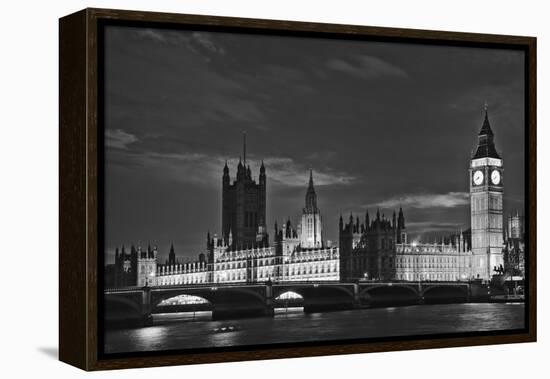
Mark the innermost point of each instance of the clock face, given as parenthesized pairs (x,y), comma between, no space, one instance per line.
(495,177)
(478,177)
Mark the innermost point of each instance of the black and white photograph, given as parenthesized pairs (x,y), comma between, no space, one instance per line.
(270,189)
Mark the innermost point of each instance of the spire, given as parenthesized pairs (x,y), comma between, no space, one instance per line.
(401,219)
(172,255)
(262,168)
(241,170)
(311,196)
(486,145)
(486,127)
(225,169)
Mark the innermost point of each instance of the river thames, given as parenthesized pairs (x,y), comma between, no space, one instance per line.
(189,331)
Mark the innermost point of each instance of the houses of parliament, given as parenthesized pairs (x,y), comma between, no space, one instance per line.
(376,248)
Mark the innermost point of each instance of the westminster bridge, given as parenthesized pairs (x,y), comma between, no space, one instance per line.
(259,300)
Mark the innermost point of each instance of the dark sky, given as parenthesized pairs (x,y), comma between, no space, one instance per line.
(380,124)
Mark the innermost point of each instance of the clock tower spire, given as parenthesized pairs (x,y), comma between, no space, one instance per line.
(486,194)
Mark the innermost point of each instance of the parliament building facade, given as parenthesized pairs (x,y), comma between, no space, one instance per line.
(370,249)
(242,253)
(380,250)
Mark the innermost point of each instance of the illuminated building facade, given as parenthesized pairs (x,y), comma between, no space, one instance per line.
(447,260)
(380,250)
(297,254)
(376,249)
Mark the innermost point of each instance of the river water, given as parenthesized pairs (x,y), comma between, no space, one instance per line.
(188,331)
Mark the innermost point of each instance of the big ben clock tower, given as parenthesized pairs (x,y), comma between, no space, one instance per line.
(486,192)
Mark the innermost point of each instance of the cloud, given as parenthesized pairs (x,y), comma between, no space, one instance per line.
(366,67)
(286,171)
(205,169)
(422,201)
(119,139)
(205,41)
(153,34)
(193,41)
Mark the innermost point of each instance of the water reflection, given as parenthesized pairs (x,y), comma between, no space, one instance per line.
(179,331)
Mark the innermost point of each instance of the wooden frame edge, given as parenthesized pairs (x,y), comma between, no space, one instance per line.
(72,190)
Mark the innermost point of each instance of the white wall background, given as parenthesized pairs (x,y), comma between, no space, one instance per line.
(29,183)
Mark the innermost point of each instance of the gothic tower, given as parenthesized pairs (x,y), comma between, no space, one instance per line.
(311,228)
(244,206)
(486,192)
(172,256)
(401,229)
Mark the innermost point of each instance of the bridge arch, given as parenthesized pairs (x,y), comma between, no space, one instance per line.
(226,301)
(214,295)
(289,295)
(319,297)
(288,299)
(310,290)
(182,303)
(185,299)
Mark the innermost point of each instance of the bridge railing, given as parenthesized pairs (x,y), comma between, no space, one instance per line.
(296,282)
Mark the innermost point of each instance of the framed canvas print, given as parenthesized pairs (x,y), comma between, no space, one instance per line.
(237,189)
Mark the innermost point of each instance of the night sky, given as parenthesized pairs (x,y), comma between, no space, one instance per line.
(380,124)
